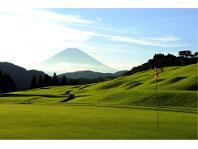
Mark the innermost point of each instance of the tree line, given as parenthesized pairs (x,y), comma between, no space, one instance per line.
(46,80)
(7,84)
(43,81)
(185,57)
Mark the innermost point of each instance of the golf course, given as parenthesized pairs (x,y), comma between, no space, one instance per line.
(122,108)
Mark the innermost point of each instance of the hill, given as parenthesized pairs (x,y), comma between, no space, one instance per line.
(160,60)
(177,88)
(20,75)
(123,108)
(72,59)
(87,74)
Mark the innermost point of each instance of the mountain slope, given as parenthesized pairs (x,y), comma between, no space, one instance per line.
(20,75)
(72,59)
(91,74)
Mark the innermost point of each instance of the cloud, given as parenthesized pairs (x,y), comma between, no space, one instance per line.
(164,38)
(162,41)
(45,15)
(28,36)
(170,19)
(37,32)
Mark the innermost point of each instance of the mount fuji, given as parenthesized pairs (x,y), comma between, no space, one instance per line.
(70,60)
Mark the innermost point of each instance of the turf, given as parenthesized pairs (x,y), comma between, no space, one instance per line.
(89,122)
(177,87)
(123,108)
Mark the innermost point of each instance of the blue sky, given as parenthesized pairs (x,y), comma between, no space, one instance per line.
(120,38)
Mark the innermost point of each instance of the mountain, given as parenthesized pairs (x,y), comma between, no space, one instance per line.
(87,74)
(20,75)
(70,60)
(120,73)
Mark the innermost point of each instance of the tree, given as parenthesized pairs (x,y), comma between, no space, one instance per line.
(182,56)
(34,82)
(1,78)
(196,54)
(188,53)
(1,74)
(161,61)
(10,83)
(185,53)
(47,80)
(158,56)
(40,81)
(181,53)
(151,63)
(7,84)
(55,80)
(64,81)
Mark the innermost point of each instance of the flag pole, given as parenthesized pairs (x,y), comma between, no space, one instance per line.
(156,99)
(157,105)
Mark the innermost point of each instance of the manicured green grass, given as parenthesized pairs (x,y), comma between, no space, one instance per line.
(177,87)
(90,122)
(123,108)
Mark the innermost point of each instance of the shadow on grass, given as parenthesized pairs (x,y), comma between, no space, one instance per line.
(158,80)
(132,85)
(71,97)
(160,108)
(29,95)
(176,79)
(30,101)
(85,86)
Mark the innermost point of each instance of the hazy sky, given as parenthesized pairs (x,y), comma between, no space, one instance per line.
(120,38)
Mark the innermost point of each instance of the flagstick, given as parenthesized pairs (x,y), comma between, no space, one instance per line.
(157,105)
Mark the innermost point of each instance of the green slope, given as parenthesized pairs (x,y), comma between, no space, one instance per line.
(177,87)
(123,108)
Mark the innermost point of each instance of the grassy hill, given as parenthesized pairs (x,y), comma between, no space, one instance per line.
(123,108)
(177,87)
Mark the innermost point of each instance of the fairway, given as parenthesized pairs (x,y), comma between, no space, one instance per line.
(91,122)
(122,108)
